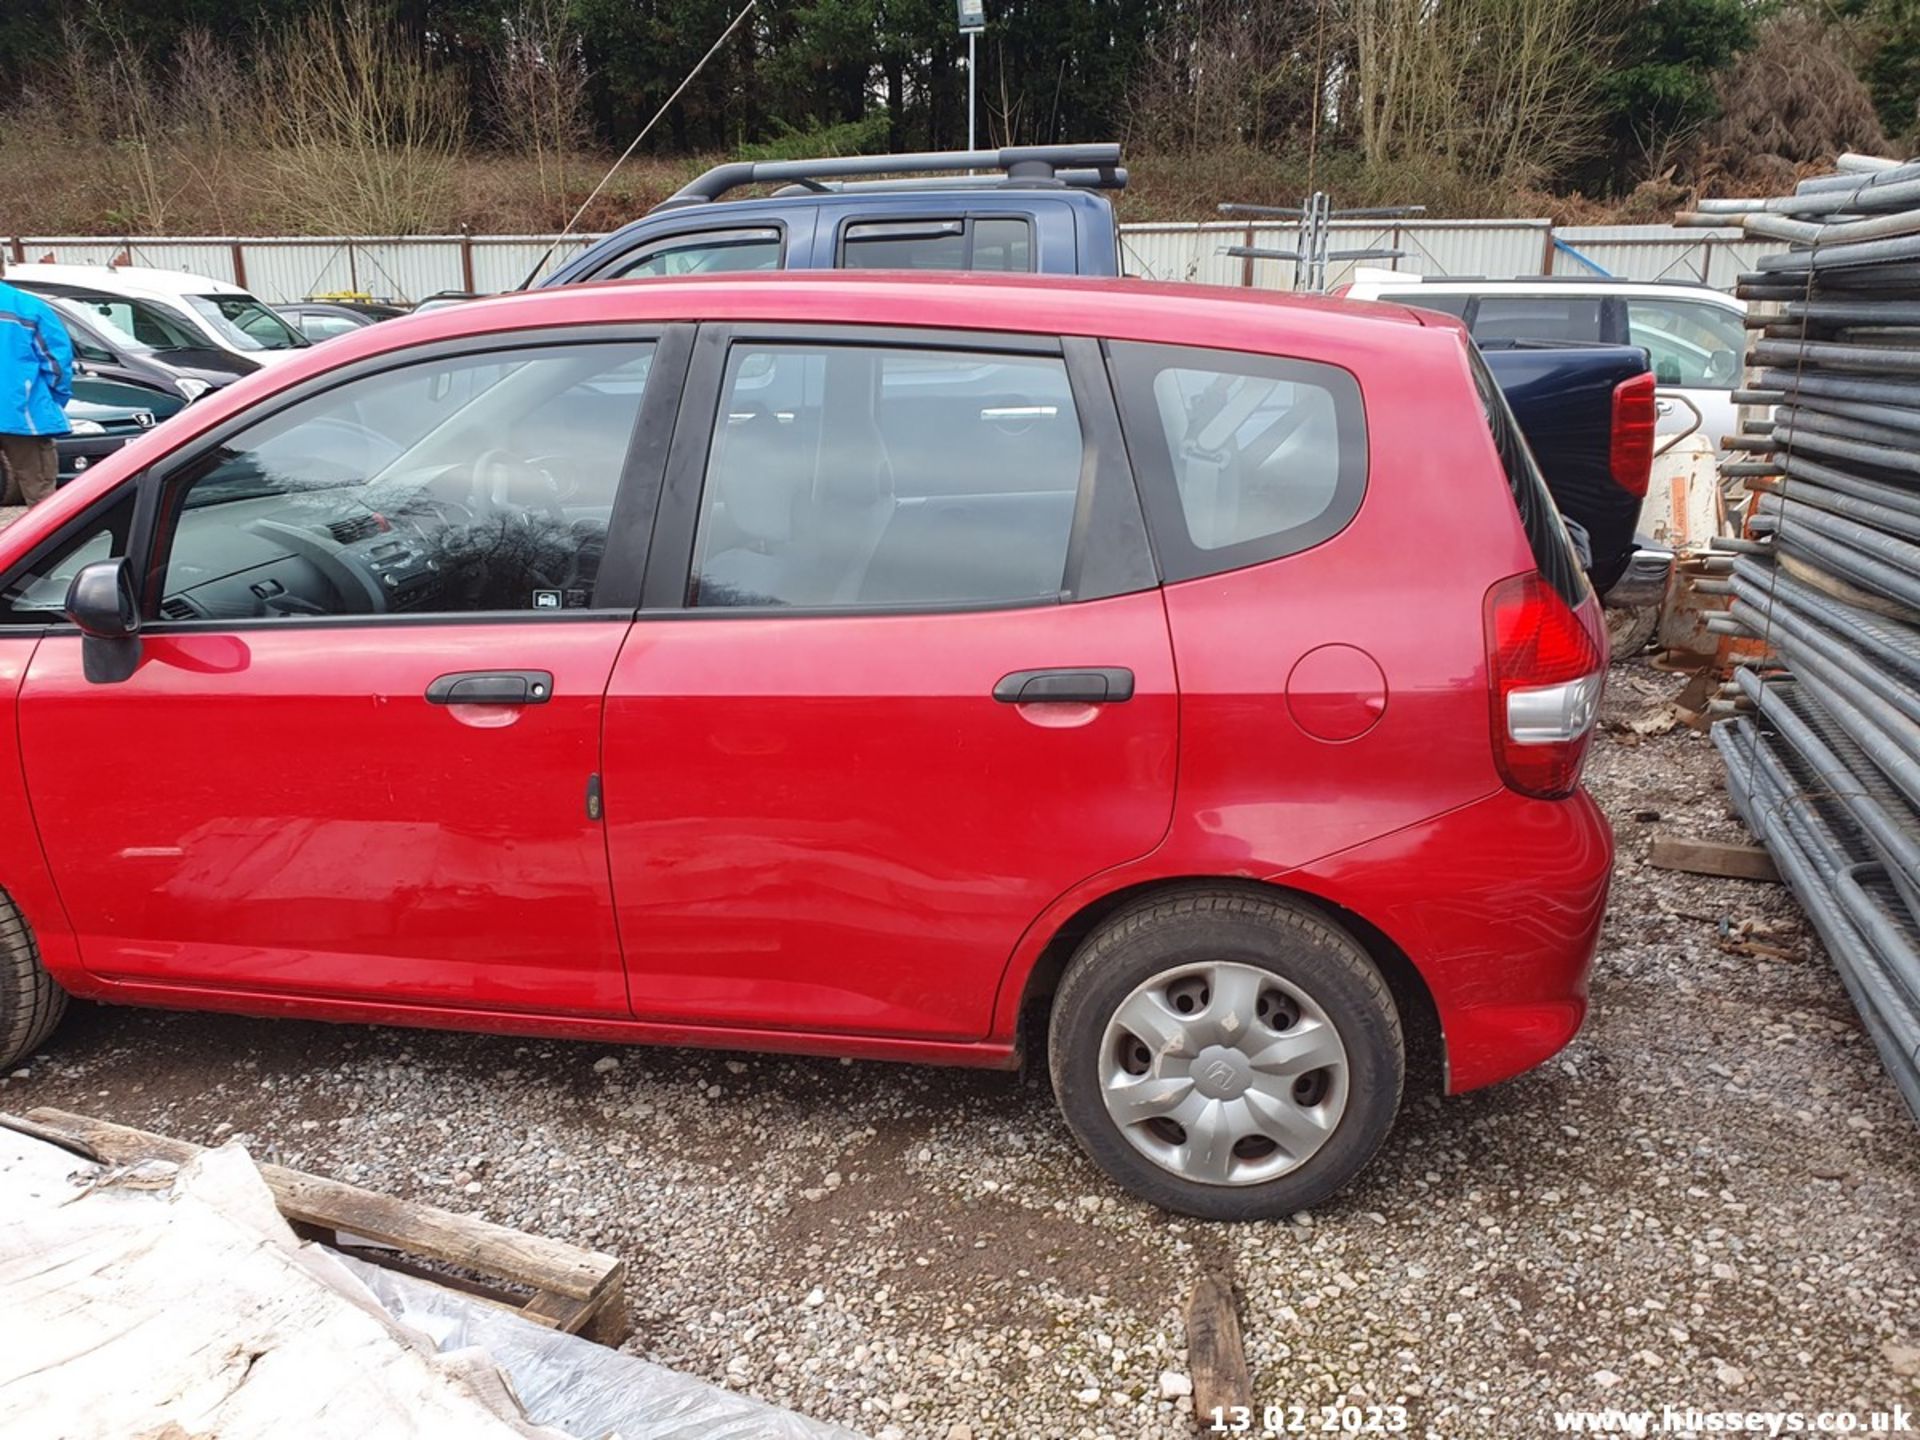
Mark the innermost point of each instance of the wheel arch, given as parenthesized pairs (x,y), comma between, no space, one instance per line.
(1419,1015)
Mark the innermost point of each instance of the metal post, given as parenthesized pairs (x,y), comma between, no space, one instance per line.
(972,37)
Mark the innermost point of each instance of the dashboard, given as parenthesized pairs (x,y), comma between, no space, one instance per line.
(391,547)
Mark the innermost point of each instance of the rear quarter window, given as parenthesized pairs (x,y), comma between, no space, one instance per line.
(1242,458)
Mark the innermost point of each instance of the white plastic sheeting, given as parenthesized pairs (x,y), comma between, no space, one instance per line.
(174,1300)
(160,1299)
(409,268)
(580,1387)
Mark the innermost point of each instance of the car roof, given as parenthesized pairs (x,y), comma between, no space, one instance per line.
(135,281)
(1205,315)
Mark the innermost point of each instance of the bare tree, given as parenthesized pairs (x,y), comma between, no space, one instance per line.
(1224,74)
(365,132)
(1498,89)
(540,96)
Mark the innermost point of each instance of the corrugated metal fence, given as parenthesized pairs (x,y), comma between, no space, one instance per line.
(409,268)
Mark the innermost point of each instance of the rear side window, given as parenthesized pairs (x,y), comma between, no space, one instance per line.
(1003,243)
(1547,537)
(1243,458)
(1537,317)
(864,476)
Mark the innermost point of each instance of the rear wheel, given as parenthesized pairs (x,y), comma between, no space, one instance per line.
(1629,630)
(31,1003)
(1226,1054)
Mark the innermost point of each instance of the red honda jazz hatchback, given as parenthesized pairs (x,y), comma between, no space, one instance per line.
(840,664)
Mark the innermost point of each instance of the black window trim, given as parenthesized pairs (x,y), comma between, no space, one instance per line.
(630,255)
(967,219)
(1176,554)
(1612,317)
(1108,549)
(616,594)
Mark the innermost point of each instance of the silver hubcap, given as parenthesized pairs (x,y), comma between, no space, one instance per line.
(1223,1073)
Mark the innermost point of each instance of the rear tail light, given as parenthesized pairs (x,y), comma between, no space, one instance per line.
(1545,672)
(1634,419)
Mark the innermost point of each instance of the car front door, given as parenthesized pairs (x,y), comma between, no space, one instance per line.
(357,756)
(901,680)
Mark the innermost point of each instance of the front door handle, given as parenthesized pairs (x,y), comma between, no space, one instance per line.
(492,687)
(1082,685)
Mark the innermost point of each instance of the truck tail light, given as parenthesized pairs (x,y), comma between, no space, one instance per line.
(1634,419)
(1544,672)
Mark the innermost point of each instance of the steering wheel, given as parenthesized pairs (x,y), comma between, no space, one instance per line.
(495,475)
(549,554)
(1722,367)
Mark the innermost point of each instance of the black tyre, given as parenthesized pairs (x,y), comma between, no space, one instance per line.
(1629,630)
(31,1004)
(1226,1054)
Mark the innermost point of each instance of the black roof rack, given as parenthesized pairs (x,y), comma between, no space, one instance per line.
(1087,167)
(1115,179)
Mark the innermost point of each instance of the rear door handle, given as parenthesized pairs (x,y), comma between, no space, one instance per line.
(492,687)
(1083,685)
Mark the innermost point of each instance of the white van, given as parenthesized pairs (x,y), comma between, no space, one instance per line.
(1694,335)
(223,316)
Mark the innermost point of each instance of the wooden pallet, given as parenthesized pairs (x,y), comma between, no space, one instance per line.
(579,1291)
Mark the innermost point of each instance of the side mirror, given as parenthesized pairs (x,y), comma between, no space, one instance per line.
(101,601)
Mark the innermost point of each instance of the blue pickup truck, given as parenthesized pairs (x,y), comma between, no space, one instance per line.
(1029,209)
(1043,210)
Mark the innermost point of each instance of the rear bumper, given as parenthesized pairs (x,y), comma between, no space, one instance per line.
(1498,904)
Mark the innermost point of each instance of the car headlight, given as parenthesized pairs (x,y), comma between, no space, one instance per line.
(192,386)
(87,427)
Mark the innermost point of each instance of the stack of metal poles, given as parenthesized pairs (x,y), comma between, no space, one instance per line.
(1823,744)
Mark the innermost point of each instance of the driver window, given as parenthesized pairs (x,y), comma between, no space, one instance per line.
(706,252)
(464,484)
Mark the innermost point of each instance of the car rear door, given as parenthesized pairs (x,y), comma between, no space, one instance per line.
(901,679)
(357,757)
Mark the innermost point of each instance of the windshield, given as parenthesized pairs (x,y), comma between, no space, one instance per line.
(244,323)
(147,326)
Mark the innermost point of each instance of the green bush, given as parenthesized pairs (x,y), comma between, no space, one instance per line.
(865,136)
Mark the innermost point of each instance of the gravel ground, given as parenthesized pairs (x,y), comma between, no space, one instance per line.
(1709,1199)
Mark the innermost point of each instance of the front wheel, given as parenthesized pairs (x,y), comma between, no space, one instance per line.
(1226,1054)
(31,1002)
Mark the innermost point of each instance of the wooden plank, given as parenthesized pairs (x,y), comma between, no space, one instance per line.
(533,1260)
(1712,857)
(53,1137)
(1216,1355)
